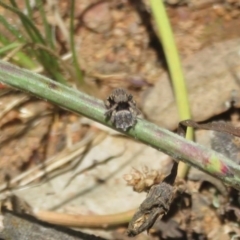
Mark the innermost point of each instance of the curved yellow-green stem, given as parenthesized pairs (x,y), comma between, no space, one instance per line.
(175,68)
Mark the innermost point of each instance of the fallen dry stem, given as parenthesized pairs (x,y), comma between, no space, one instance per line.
(93,221)
(12,202)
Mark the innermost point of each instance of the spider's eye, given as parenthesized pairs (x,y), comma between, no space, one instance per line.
(130,97)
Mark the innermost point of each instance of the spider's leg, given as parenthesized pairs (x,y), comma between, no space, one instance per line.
(107,103)
(110,110)
(133,106)
(113,116)
(134,115)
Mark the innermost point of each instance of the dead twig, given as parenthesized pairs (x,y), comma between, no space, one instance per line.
(81,221)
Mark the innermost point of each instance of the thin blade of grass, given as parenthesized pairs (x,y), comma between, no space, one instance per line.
(14,31)
(29,9)
(20,57)
(47,27)
(9,47)
(31,29)
(79,74)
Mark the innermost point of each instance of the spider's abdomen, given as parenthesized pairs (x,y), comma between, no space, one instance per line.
(124,119)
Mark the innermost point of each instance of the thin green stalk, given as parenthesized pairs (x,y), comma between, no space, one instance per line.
(9,47)
(48,32)
(31,29)
(175,146)
(175,68)
(29,9)
(15,32)
(4,40)
(72,45)
(20,58)
(23,60)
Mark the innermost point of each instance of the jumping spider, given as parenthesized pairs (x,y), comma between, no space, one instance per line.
(122,109)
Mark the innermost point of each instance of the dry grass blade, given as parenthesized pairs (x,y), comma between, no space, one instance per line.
(13,104)
(53,5)
(51,164)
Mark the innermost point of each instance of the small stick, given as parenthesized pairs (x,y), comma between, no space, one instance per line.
(81,221)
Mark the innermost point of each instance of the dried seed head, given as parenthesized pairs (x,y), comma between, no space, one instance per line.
(143,180)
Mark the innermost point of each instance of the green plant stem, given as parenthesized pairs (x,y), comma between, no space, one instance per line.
(175,68)
(175,146)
